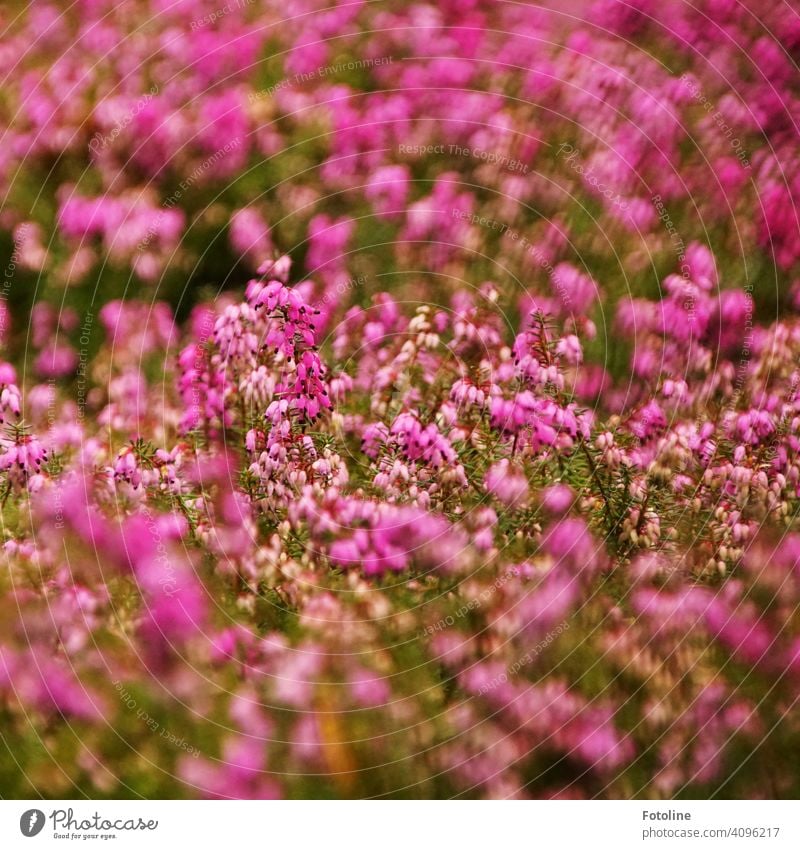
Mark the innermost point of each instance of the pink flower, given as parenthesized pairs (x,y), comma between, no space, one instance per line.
(507,483)
(558,498)
(250,236)
(10,396)
(24,454)
(368,689)
(388,190)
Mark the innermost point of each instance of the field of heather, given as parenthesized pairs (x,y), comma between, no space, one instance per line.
(399,399)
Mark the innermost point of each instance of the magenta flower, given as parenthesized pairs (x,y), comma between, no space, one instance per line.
(22,455)
(507,483)
(10,396)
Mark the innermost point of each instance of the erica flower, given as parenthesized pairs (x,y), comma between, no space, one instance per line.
(507,483)
(126,467)
(10,397)
(25,453)
(250,235)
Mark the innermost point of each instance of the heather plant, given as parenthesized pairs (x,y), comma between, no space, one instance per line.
(400,400)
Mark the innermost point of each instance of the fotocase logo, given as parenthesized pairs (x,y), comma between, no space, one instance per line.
(31,822)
